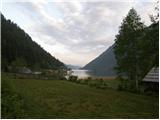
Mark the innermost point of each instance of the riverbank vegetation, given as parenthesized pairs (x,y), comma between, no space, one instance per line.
(118,83)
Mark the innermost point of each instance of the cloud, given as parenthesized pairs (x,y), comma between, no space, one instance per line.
(75,32)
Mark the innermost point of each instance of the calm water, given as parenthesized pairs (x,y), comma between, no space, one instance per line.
(88,73)
(82,73)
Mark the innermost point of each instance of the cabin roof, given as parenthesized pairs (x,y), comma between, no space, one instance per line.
(152,76)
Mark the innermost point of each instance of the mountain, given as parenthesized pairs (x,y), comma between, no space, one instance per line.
(73,66)
(104,64)
(18,49)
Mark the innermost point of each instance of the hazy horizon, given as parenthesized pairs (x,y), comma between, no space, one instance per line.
(74,32)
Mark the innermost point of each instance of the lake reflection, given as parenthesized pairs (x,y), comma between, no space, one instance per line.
(81,73)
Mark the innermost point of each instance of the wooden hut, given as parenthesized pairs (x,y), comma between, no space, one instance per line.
(152,76)
(152,79)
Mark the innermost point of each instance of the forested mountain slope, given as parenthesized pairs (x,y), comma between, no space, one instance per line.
(18,48)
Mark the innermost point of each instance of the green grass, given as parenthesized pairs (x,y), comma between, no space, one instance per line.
(63,99)
(113,83)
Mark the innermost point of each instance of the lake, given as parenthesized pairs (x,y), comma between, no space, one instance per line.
(82,73)
(88,73)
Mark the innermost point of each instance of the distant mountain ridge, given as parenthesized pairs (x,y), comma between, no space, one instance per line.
(73,66)
(104,64)
(18,48)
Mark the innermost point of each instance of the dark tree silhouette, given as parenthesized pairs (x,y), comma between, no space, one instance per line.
(16,44)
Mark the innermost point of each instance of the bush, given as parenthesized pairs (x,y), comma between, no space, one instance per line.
(63,78)
(120,87)
(97,83)
(126,85)
(73,78)
(78,81)
(82,81)
(86,81)
(89,78)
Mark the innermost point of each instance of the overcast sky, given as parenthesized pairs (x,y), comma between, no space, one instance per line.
(74,32)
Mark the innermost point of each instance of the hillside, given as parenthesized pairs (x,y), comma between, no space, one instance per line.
(104,64)
(19,48)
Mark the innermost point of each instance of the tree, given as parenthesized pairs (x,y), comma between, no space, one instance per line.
(155,18)
(149,45)
(19,62)
(126,50)
(149,48)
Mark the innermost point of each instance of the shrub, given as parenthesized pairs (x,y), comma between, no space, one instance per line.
(86,81)
(63,78)
(78,81)
(89,78)
(98,83)
(120,87)
(127,85)
(73,78)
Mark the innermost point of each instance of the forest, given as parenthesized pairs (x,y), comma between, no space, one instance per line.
(19,50)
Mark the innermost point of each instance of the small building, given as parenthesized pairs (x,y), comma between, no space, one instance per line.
(152,79)
(152,76)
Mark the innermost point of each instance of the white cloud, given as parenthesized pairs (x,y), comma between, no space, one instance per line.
(75,32)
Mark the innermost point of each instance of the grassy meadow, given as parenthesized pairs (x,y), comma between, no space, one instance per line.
(31,98)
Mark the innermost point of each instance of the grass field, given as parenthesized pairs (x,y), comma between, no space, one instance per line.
(64,99)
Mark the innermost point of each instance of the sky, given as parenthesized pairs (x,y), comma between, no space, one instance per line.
(75,32)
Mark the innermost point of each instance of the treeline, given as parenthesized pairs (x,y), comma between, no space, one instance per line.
(18,49)
(137,47)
